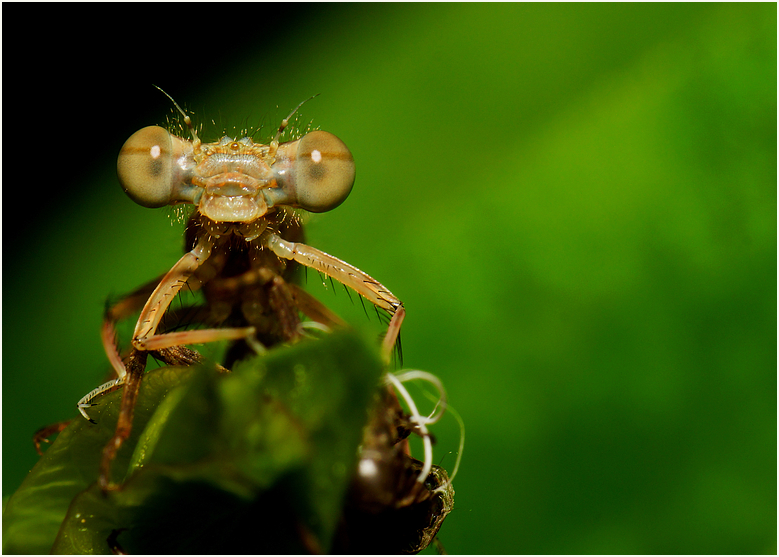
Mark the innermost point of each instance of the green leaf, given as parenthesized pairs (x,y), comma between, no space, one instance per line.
(254,461)
(34,513)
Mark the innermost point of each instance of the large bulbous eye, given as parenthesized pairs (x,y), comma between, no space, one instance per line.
(315,173)
(147,166)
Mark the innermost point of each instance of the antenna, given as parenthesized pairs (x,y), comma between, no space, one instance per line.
(188,120)
(274,144)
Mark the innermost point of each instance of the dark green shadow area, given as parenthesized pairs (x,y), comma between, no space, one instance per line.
(252,462)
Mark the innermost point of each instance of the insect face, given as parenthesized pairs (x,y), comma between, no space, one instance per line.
(236,181)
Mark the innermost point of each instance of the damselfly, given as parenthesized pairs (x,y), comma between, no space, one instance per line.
(243,240)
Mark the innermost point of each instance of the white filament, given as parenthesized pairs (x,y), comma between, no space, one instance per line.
(410,375)
(416,418)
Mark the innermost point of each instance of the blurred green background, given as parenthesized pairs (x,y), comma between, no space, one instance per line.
(577,204)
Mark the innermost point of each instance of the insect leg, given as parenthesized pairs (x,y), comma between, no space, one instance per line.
(168,340)
(314,309)
(86,400)
(129,304)
(144,337)
(341,271)
(136,365)
(122,309)
(168,287)
(393,332)
(282,302)
(42,435)
(108,335)
(351,276)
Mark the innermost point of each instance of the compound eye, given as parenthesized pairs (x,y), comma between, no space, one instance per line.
(146,167)
(324,172)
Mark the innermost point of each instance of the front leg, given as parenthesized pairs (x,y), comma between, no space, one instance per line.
(145,337)
(144,340)
(167,289)
(346,274)
(149,320)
